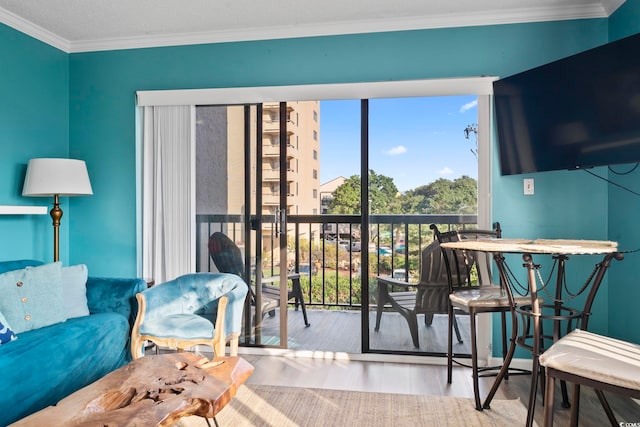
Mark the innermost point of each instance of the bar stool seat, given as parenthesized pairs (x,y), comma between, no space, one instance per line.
(488,296)
(592,360)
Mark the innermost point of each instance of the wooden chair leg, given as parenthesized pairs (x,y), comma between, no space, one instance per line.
(474,361)
(548,401)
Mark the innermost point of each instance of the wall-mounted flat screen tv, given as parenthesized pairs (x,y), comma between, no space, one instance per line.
(578,112)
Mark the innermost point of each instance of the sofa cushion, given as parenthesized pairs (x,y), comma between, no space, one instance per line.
(31,297)
(6,333)
(74,290)
(47,364)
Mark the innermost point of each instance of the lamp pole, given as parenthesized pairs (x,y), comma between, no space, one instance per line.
(56,215)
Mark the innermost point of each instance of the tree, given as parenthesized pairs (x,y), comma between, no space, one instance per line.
(383,196)
(444,196)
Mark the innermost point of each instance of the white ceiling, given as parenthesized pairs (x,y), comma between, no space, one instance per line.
(91,25)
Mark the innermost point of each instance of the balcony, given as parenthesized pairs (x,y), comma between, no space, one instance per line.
(327,250)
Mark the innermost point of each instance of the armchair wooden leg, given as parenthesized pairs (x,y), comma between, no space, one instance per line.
(233,346)
(137,346)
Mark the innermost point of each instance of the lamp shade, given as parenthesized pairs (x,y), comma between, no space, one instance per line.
(63,177)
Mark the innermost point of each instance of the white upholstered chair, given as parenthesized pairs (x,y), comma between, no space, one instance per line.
(592,360)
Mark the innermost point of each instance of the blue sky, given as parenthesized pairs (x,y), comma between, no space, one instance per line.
(412,140)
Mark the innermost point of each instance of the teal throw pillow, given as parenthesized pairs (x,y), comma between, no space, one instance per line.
(6,334)
(32,297)
(74,290)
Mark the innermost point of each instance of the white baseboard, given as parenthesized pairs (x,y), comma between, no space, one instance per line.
(362,357)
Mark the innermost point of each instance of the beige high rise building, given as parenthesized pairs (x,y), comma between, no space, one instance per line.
(303,156)
(221,171)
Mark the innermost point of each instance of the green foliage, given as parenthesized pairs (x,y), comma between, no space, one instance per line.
(442,196)
(330,293)
(383,195)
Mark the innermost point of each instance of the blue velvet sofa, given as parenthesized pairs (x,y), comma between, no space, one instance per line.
(45,365)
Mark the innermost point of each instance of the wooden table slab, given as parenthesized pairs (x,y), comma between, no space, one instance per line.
(154,390)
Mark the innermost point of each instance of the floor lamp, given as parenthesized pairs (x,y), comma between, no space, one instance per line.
(56,177)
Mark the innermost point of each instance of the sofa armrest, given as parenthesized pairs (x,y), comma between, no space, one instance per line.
(114,295)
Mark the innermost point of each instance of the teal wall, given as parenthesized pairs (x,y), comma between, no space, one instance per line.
(103,85)
(83,105)
(624,286)
(102,115)
(34,122)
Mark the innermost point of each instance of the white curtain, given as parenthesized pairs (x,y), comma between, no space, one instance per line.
(168,192)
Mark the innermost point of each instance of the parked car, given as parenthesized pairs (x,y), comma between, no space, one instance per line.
(356,247)
(344,244)
(384,250)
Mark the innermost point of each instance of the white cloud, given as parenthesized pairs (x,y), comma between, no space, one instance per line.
(445,171)
(400,149)
(468,106)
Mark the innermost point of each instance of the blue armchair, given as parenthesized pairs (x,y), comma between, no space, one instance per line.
(199,308)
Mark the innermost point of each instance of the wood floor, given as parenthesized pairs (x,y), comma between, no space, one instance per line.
(332,343)
(389,377)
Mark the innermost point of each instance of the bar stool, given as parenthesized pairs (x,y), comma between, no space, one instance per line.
(592,360)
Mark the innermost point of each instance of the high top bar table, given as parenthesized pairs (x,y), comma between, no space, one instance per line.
(559,250)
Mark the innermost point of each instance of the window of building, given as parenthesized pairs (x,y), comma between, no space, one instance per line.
(315,193)
(315,174)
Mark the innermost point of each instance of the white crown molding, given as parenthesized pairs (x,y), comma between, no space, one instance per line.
(29,28)
(351,27)
(611,6)
(311,30)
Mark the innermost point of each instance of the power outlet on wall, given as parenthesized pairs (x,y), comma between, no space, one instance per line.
(529,189)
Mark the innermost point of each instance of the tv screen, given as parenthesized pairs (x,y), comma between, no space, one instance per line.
(577,112)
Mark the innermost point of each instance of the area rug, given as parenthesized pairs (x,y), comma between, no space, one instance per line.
(260,405)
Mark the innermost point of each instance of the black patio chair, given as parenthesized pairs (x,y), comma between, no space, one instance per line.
(429,296)
(228,259)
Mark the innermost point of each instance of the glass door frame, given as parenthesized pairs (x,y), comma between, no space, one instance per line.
(254,220)
(481,86)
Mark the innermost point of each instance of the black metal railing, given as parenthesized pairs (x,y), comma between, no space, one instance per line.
(328,251)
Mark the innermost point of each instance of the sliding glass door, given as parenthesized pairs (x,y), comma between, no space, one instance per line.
(239,194)
(268,176)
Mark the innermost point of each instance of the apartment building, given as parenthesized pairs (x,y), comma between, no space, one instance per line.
(220,165)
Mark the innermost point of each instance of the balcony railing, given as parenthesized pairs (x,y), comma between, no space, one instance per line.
(328,250)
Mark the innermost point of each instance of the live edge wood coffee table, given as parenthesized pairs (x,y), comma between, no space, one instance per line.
(154,390)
